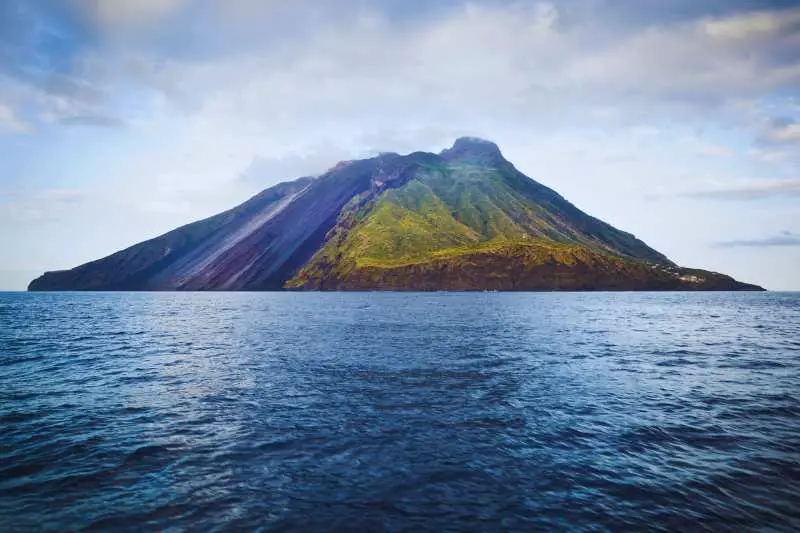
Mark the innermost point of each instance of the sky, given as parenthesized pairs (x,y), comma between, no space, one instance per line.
(675,120)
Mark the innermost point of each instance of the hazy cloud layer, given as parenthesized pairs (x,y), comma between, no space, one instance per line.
(93,120)
(753,191)
(9,120)
(785,239)
(781,130)
(522,61)
(50,204)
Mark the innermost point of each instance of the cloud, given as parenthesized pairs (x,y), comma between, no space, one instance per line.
(56,97)
(524,63)
(10,122)
(59,196)
(770,155)
(541,63)
(265,171)
(756,25)
(257,109)
(784,239)
(707,149)
(99,121)
(780,130)
(124,14)
(751,191)
(690,64)
(47,204)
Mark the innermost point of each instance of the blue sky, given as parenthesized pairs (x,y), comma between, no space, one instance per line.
(678,121)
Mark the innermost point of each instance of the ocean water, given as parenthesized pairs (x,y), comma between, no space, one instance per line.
(400,412)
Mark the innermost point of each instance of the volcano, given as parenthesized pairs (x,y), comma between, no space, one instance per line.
(463,219)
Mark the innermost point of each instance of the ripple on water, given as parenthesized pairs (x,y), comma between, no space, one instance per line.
(400,412)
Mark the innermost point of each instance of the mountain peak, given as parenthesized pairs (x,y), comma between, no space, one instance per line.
(473,141)
(473,148)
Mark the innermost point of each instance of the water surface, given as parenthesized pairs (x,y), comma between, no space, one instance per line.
(400,412)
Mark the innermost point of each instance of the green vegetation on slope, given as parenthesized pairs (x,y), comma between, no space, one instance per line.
(408,223)
(445,214)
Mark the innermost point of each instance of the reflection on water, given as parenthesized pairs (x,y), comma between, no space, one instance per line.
(374,411)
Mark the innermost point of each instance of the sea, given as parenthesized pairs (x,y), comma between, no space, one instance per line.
(400,412)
